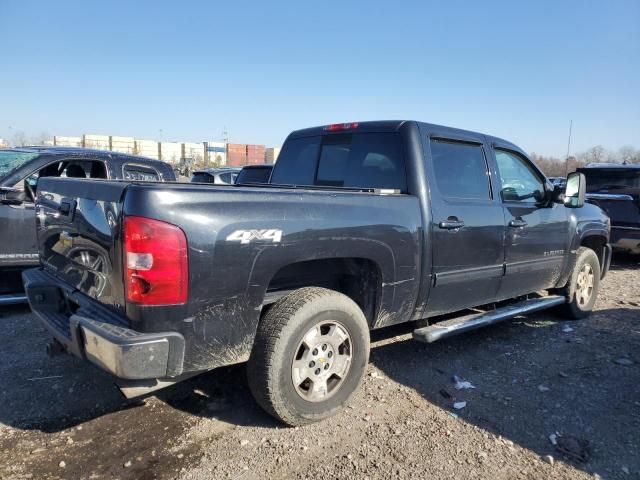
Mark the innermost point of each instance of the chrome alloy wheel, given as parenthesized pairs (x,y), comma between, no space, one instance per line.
(322,361)
(584,285)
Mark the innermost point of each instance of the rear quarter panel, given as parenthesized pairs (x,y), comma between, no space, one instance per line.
(228,279)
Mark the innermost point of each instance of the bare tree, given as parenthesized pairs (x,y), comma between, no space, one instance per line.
(551,166)
(41,139)
(595,154)
(19,139)
(628,154)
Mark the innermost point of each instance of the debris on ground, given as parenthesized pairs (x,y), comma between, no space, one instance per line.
(461,384)
(567,329)
(624,361)
(459,405)
(506,432)
(543,388)
(445,394)
(574,448)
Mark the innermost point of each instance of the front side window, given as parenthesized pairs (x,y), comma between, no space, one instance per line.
(460,170)
(519,180)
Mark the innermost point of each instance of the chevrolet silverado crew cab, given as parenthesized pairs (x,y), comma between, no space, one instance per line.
(20,171)
(361,226)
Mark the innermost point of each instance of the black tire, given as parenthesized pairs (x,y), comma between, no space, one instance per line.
(575,308)
(277,343)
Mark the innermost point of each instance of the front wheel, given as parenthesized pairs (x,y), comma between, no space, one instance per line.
(582,288)
(309,356)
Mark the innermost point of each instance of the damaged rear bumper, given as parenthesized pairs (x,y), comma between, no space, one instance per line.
(95,333)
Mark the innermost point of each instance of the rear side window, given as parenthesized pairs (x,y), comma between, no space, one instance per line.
(358,160)
(139,173)
(297,162)
(460,170)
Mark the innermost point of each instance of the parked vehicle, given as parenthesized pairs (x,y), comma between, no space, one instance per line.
(254,174)
(184,167)
(558,181)
(615,188)
(362,226)
(20,171)
(219,176)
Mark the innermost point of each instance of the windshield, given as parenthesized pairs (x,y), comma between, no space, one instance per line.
(10,160)
(600,180)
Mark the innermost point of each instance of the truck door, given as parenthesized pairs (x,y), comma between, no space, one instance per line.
(467,226)
(18,247)
(537,232)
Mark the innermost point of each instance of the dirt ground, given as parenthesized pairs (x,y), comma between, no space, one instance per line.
(537,380)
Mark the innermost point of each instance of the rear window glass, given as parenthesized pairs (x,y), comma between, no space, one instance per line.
(358,160)
(254,175)
(460,170)
(140,173)
(611,179)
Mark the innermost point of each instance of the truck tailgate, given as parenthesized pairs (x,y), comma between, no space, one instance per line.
(78,225)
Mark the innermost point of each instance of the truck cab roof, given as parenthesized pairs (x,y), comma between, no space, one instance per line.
(395,126)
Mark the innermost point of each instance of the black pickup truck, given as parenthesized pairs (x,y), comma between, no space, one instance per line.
(362,226)
(20,170)
(615,187)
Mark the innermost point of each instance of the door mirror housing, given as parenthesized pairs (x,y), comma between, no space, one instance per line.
(575,190)
(12,197)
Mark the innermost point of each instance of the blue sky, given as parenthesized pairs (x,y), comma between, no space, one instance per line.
(519,70)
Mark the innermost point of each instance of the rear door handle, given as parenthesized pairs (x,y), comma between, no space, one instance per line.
(517,223)
(451,224)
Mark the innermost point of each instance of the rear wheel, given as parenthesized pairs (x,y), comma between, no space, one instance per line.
(309,356)
(582,288)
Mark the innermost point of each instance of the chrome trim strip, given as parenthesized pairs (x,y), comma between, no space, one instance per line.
(609,196)
(636,229)
(12,299)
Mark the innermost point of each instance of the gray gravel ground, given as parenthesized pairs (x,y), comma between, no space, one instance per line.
(534,377)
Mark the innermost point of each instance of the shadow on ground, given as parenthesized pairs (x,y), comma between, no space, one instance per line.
(532,379)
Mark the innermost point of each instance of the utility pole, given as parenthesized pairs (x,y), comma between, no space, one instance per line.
(566,161)
(225,139)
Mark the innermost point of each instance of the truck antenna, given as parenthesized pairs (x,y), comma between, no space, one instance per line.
(566,160)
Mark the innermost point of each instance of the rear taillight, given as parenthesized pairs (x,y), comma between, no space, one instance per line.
(337,127)
(156,263)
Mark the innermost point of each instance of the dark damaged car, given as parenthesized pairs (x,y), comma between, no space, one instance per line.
(21,169)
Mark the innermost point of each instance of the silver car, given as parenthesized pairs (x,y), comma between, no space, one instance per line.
(220,176)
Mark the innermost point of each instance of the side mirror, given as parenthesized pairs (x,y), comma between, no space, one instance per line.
(13,197)
(575,190)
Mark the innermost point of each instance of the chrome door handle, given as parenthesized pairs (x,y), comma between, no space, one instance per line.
(517,223)
(451,224)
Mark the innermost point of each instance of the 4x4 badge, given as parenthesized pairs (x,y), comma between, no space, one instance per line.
(246,236)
